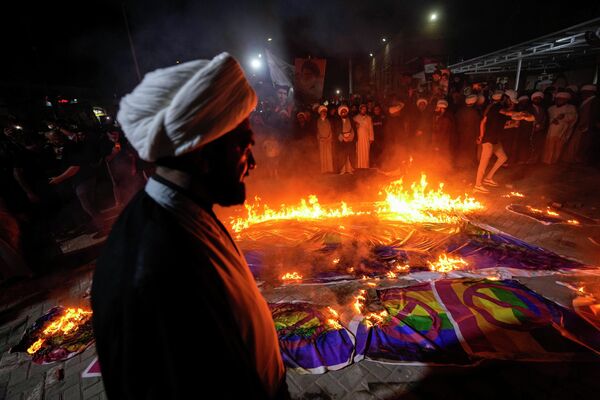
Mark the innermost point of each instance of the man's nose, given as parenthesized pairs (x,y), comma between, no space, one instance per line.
(251,160)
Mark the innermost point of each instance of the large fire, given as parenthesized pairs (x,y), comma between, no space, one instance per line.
(68,323)
(415,205)
(420,204)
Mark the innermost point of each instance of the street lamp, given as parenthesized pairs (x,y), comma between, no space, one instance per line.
(269,39)
(337,91)
(433,16)
(383,39)
(370,54)
(255,63)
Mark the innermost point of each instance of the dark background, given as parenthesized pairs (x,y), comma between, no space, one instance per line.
(85,44)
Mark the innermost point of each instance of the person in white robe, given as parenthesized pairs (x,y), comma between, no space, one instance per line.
(365,137)
(562,117)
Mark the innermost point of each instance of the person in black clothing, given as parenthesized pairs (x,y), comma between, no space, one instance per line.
(169,259)
(379,120)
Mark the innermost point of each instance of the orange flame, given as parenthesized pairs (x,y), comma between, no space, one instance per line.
(305,210)
(375,318)
(446,264)
(391,275)
(573,222)
(419,204)
(333,322)
(68,323)
(514,194)
(424,205)
(291,276)
(359,301)
(35,346)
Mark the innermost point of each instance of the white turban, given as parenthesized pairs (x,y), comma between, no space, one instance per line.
(178,109)
(523,98)
(442,104)
(422,100)
(497,95)
(588,88)
(537,94)
(340,108)
(322,108)
(512,95)
(471,99)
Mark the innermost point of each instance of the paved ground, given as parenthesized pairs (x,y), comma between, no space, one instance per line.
(575,188)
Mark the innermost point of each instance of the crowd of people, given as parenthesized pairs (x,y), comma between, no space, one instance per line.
(57,177)
(455,125)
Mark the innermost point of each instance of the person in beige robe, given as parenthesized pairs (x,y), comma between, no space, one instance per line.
(325,138)
(365,137)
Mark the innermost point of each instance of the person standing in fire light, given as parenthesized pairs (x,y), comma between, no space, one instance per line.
(344,129)
(325,138)
(365,136)
(562,117)
(169,259)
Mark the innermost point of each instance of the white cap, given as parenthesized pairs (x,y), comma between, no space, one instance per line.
(442,103)
(523,98)
(512,95)
(589,88)
(342,107)
(422,100)
(471,99)
(179,109)
(537,94)
(497,95)
(321,109)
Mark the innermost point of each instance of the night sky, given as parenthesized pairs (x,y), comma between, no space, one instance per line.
(67,43)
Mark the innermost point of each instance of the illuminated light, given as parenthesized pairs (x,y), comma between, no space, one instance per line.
(18,127)
(383,39)
(336,260)
(446,264)
(177,62)
(255,63)
(433,17)
(337,91)
(291,276)
(372,284)
(269,39)
(63,101)
(573,222)
(370,54)
(552,213)
(259,55)
(342,227)
(403,268)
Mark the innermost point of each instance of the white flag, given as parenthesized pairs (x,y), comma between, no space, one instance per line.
(280,71)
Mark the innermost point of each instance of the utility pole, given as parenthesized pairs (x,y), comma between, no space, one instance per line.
(135,61)
(349,76)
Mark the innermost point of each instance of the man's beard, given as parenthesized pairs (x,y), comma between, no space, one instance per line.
(226,190)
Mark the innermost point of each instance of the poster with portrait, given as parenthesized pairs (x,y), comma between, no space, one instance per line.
(309,79)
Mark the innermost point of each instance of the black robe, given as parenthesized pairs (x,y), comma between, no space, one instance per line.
(149,277)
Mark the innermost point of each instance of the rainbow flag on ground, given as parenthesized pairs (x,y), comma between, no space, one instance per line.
(416,329)
(311,338)
(506,320)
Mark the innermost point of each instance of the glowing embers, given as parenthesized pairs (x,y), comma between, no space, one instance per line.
(305,210)
(445,264)
(58,335)
(545,217)
(420,204)
(514,194)
(291,277)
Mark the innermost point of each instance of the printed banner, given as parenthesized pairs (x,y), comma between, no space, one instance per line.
(505,320)
(311,339)
(309,80)
(415,328)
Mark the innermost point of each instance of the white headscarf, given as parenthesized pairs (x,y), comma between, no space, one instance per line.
(178,109)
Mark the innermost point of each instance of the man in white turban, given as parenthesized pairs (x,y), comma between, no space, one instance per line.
(169,263)
(562,117)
